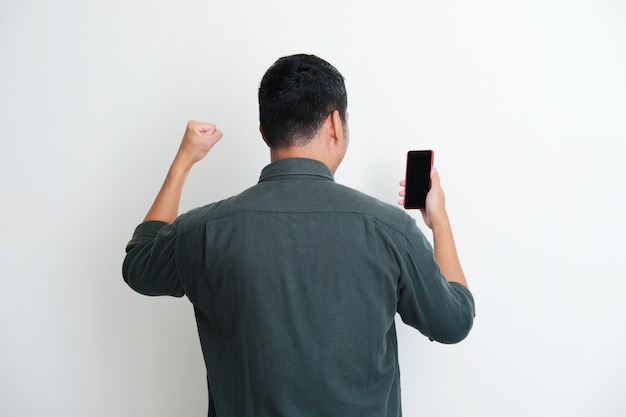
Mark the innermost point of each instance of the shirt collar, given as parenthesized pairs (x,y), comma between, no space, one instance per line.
(296,167)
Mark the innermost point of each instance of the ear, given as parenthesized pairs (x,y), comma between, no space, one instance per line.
(337,131)
(263,136)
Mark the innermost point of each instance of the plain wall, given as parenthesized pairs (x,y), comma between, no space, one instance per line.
(524,104)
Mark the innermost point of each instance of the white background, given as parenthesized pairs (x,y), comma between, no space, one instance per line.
(524,103)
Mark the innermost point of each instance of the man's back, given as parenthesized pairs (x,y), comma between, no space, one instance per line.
(296,283)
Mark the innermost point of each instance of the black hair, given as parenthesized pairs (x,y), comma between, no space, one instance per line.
(296,95)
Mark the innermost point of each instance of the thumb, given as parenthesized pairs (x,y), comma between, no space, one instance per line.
(207,129)
(201,128)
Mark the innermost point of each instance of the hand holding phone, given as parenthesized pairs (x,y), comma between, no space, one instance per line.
(417,180)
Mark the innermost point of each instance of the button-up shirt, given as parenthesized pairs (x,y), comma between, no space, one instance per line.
(295,284)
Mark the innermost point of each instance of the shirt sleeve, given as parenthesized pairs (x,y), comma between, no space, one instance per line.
(150,263)
(441,310)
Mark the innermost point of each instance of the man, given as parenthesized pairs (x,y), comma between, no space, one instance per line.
(296,281)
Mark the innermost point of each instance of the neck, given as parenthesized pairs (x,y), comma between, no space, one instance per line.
(309,152)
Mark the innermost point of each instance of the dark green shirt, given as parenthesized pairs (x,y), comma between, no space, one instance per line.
(295,284)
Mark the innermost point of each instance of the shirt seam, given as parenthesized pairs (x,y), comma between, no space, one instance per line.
(399,229)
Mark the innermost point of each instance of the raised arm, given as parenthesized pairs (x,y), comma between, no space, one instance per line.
(197,141)
(436,218)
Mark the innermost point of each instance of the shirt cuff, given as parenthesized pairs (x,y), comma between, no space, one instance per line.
(149,228)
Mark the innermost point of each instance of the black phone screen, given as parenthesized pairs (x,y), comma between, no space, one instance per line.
(418,166)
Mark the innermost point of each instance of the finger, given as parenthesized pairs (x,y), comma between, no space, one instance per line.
(207,129)
(434,176)
(403,183)
(201,128)
(218,134)
(402,193)
(401,202)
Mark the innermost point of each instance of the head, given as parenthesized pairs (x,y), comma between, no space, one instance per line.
(297,95)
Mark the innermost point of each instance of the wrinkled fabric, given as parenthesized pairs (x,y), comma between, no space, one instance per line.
(295,285)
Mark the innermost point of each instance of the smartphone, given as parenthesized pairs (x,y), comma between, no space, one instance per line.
(418,166)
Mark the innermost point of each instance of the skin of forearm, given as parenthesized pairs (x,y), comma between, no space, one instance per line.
(198,139)
(445,251)
(165,206)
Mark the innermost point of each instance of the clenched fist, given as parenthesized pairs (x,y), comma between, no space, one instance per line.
(198,140)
